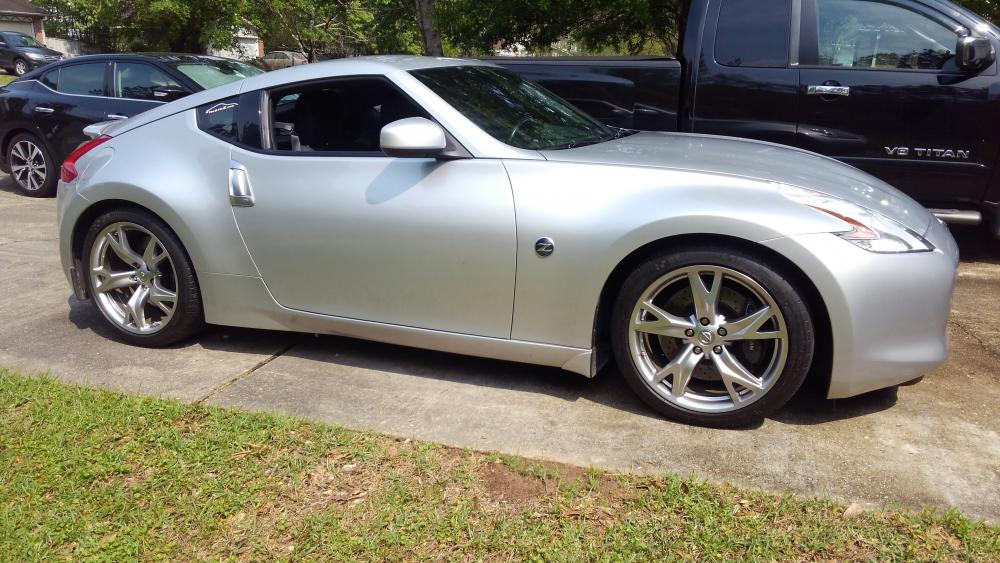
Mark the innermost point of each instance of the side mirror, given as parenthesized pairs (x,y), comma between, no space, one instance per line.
(168,93)
(974,53)
(413,137)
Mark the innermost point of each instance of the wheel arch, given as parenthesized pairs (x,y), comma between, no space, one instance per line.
(87,218)
(821,369)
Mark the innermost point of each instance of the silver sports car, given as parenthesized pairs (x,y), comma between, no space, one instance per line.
(449,204)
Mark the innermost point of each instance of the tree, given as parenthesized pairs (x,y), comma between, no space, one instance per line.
(427,18)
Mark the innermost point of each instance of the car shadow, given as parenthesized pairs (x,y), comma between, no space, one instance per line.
(7,185)
(976,244)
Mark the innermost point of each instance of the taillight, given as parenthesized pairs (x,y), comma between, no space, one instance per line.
(68,172)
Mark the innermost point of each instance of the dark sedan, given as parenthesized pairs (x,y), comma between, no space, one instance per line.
(43,113)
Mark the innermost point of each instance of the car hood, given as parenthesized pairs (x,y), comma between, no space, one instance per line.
(41,50)
(756,160)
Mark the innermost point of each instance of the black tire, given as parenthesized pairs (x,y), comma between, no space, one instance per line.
(20,69)
(48,187)
(768,274)
(188,318)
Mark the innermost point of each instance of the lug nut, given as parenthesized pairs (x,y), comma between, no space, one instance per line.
(698,350)
(705,321)
(722,332)
(717,349)
(689,332)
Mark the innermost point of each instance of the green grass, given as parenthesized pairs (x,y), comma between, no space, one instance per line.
(6,78)
(90,474)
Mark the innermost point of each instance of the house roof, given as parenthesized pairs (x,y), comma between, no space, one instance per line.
(20,7)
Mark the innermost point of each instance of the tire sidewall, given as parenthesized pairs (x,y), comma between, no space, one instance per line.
(188,315)
(772,277)
(48,188)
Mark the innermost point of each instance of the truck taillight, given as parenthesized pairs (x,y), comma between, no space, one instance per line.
(68,172)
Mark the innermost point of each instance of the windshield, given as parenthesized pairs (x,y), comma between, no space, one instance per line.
(212,73)
(512,109)
(18,40)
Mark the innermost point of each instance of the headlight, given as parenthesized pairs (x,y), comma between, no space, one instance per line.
(869,230)
(35,56)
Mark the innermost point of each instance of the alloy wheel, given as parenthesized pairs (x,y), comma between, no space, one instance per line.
(136,291)
(20,67)
(708,339)
(28,166)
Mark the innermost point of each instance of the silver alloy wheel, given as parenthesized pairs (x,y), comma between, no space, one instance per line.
(20,67)
(28,166)
(137,292)
(708,339)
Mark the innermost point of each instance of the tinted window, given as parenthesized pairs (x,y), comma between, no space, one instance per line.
(220,118)
(51,79)
(20,40)
(513,110)
(138,81)
(337,116)
(85,79)
(864,34)
(753,33)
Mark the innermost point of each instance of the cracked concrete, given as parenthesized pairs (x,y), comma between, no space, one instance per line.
(934,444)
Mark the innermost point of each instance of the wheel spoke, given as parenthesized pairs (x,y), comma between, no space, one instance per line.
(664,324)
(748,328)
(32,183)
(733,373)
(162,297)
(33,152)
(19,152)
(119,243)
(136,307)
(680,370)
(705,297)
(114,280)
(150,256)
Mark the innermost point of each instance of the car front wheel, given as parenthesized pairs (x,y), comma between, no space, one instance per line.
(712,336)
(31,166)
(141,280)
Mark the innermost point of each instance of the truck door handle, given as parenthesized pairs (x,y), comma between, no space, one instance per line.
(43,109)
(116,116)
(240,193)
(825,90)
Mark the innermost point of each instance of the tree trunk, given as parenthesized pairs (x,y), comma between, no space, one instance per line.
(427,19)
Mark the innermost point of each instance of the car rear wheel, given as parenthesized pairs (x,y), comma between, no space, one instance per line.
(20,67)
(31,166)
(712,336)
(141,280)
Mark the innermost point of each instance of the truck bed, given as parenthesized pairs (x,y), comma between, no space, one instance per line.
(631,92)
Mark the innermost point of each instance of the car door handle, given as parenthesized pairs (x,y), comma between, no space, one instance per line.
(825,90)
(115,116)
(240,193)
(43,109)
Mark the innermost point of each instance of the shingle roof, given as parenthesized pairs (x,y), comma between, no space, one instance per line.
(20,7)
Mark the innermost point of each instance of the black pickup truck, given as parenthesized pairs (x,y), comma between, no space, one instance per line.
(906,90)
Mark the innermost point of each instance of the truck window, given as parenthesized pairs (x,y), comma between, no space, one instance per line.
(753,33)
(873,34)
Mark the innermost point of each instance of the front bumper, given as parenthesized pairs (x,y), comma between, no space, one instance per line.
(888,312)
(39,63)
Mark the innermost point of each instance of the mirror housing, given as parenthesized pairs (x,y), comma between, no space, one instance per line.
(974,54)
(168,93)
(413,137)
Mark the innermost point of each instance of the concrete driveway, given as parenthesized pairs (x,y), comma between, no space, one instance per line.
(933,444)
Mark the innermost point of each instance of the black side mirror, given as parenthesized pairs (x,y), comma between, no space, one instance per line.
(974,54)
(168,93)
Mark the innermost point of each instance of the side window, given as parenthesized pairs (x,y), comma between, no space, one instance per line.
(345,115)
(221,119)
(874,34)
(753,33)
(86,79)
(139,80)
(51,79)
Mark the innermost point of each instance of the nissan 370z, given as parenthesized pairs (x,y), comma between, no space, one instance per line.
(451,205)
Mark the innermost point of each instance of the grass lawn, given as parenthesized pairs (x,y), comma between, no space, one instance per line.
(6,78)
(94,474)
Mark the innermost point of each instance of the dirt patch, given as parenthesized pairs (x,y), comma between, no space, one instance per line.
(503,484)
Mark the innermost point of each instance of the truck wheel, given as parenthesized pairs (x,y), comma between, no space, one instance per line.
(31,166)
(712,336)
(141,280)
